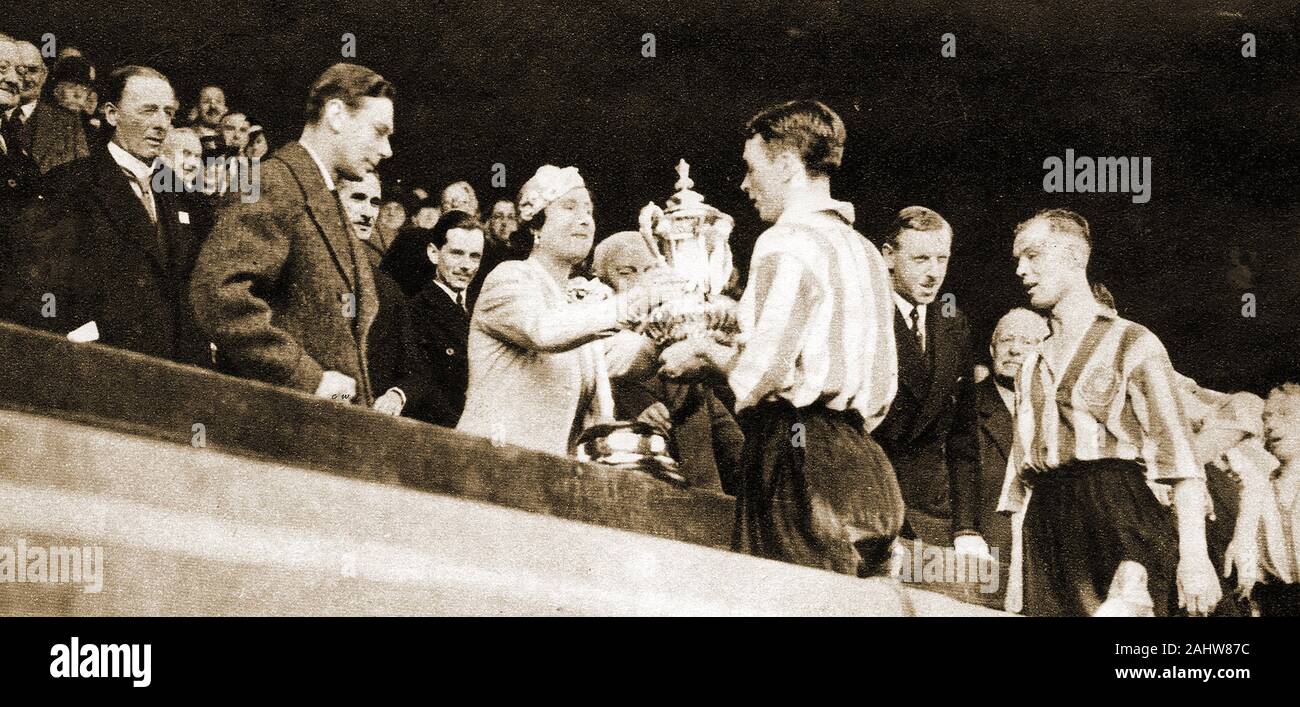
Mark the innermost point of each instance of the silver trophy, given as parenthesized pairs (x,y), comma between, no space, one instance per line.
(694,240)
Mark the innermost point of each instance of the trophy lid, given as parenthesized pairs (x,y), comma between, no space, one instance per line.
(685,202)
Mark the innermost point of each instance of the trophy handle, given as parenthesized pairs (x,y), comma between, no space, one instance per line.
(648,220)
(718,248)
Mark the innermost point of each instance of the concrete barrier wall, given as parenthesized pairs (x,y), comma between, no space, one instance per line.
(118,390)
(296,506)
(194,532)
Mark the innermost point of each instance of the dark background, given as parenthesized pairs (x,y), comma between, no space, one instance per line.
(524,84)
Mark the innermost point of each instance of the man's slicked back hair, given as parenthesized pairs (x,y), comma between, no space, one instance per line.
(349,83)
(115,84)
(916,218)
(806,127)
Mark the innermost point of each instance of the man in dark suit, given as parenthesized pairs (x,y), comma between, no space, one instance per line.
(440,317)
(32,74)
(281,285)
(18,171)
(395,363)
(104,254)
(979,469)
(923,430)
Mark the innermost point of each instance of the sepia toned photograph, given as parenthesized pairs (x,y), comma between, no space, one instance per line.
(947,310)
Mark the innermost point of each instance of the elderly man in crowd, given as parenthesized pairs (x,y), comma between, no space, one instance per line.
(282,286)
(182,153)
(978,469)
(182,157)
(32,72)
(702,433)
(104,255)
(18,171)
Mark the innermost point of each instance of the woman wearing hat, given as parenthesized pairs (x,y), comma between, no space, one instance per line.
(58,132)
(536,369)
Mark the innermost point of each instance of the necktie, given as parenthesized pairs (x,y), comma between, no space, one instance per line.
(917,329)
(460,298)
(145,194)
(8,133)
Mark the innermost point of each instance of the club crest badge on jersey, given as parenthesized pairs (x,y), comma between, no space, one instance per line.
(1099,386)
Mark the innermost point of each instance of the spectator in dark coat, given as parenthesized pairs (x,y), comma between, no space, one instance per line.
(978,470)
(923,428)
(396,366)
(437,265)
(104,255)
(18,171)
(57,126)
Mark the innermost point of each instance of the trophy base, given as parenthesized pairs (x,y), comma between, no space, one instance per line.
(630,445)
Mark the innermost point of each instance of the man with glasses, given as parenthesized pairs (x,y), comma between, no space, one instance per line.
(31,73)
(18,172)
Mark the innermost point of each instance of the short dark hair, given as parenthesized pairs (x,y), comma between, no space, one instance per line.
(406,260)
(525,236)
(916,218)
(115,84)
(808,128)
(348,83)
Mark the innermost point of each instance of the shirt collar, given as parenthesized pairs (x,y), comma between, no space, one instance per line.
(131,163)
(26,109)
(329,178)
(450,292)
(1007,395)
(802,206)
(906,308)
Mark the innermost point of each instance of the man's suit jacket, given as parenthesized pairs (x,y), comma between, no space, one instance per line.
(919,434)
(395,358)
(441,333)
(88,241)
(19,177)
(979,469)
(281,285)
